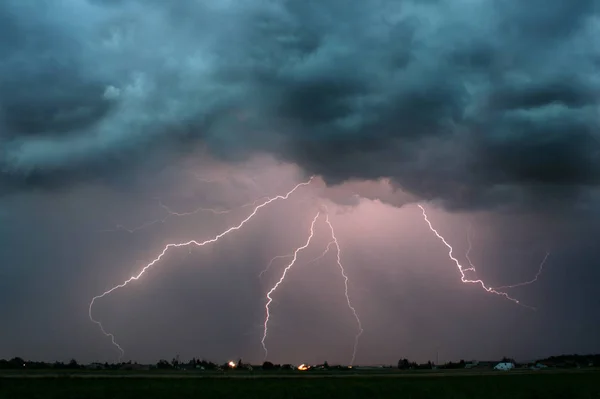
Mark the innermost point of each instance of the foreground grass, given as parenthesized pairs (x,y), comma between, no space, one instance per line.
(507,386)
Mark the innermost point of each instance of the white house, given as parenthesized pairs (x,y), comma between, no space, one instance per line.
(504,366)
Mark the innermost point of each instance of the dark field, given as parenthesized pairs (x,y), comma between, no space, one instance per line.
(542,385)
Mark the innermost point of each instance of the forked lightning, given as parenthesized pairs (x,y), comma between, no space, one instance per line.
(182,244)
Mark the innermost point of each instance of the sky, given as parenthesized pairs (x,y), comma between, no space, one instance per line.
(115,114)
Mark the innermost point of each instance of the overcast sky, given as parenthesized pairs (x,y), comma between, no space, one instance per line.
(116,113)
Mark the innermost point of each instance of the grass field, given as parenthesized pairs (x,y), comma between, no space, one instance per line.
(542,385)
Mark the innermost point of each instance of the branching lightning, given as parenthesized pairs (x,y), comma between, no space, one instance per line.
(294,258)
(200,178)
(283,275)
(325,252)
(472,268)
(183,244)
(503,287)
(291,255)
(172,213)
(460,267)
(339,262)
(273,260)
(132,230)
(333,242)
(533,280)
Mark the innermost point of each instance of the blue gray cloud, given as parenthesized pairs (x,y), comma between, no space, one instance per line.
(470,102)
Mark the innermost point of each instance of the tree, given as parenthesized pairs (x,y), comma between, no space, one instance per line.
(403,364)
(325,364)
(268,366)
(163,364)
(240,365)
(16,362)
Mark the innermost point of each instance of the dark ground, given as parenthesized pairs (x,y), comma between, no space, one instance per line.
(505,385)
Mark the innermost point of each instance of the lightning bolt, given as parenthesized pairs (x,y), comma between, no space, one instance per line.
(472,268)
(271,263)
(132,230)
(292,263)
(278,283)
(339,262)
(460,267)
(182,244)
(533,280)
(323,254)
(291,256)
(172,213)
(200,178)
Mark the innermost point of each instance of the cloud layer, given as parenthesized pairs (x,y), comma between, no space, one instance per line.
(472,102)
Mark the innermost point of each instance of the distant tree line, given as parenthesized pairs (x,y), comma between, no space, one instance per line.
(572,361)
(563,361)
(405,364)
(19,363)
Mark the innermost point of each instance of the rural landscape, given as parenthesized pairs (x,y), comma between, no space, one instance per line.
(571,377)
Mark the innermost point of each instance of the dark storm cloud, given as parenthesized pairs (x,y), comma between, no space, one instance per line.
(471,102)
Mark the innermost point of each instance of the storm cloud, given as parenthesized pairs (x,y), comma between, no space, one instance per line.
(474,103)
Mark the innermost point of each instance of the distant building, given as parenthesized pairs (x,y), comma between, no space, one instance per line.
(505,366)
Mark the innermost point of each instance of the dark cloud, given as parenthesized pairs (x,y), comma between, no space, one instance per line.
(471,102)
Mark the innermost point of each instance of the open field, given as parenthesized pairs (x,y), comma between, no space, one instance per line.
(392,384)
